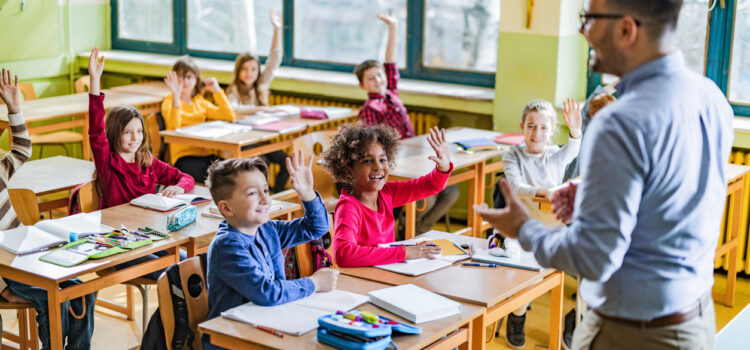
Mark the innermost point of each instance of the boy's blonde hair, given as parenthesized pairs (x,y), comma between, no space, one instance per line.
(360,70)
(221,175)
(541,106)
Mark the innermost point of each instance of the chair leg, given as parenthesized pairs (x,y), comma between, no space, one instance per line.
(145,308)
(448,223)
(33,335)
(129,303)
(41,151)
(67,154)
(23,329)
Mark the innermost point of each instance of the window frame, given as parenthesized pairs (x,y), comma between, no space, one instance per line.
(414,47)
(718,53)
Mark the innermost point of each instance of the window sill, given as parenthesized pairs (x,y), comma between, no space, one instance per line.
(418,93)
(741,127)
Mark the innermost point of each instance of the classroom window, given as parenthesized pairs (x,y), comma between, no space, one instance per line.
(346,31)
(145,20)
(230,26)
(739,72)
(461,34)
(691,33)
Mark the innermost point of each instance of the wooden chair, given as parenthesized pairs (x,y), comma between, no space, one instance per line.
(154,124)
(58,138)
(82,84)
(316,143)
(25,205)
(27,337)
(196,302)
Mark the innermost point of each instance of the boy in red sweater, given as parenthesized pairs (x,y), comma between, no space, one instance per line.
(362,157)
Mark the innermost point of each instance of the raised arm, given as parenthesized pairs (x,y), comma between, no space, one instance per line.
(222,110)
(274,57)
(97,138)
(20,151)
(390,48)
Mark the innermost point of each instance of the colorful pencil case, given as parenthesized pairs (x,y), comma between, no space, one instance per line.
(83,249)
(357,330)
(181,217)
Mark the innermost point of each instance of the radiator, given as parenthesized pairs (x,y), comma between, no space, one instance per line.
(421,120)
(742,157)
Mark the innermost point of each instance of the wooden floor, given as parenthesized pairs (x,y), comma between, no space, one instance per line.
(113,331)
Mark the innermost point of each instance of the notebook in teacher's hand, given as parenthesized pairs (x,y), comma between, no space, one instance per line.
(413,303)
(49,233)
(162,203)
(297,317)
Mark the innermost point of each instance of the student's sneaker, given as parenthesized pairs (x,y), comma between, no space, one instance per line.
(514,331)
(568,327)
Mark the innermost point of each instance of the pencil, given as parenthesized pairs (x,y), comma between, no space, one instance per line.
(268,330)
(459,247)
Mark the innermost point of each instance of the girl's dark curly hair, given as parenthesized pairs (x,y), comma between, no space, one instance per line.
(350,144)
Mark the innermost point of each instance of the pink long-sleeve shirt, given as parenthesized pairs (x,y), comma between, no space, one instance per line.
(359,229)
(119,180)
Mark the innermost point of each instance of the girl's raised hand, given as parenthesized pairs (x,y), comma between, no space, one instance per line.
(442,156)
(211,84)
(275,19)
(9,92)
(300,172)
(96,68)
(389,18)
(573,118)
(174,83)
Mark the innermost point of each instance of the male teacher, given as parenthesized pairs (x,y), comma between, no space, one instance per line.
(645,220)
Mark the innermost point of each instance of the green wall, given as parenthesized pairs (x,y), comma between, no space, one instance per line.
(43,39)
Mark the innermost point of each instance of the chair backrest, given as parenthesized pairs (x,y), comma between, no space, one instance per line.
(192,276)
(25,205)
(154,124)
(28,91)
(82,84)
(316,143)
(88,196)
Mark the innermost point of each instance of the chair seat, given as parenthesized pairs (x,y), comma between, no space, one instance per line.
(134,281)
(7,305)
(56,137)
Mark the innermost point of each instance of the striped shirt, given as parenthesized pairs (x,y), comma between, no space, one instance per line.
(387,109)
(19,153)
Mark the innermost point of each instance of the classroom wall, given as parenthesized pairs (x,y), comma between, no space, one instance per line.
(43,37)
(547,60)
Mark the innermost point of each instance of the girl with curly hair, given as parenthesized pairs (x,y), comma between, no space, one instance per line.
(362,157)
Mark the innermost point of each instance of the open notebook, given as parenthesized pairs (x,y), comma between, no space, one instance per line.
(413,303)
(416,267)
(50,233)
(297,317)
(161,203)
(213,129)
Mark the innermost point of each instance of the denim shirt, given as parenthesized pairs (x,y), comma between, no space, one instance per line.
(648,212)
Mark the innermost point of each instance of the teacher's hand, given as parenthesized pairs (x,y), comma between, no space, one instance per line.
(563,202)
(507,220)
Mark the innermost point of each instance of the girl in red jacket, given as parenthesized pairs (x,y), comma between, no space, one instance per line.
(362,157)
(125,167)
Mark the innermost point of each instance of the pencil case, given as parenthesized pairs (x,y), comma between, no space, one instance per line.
(181,217)
(357,330)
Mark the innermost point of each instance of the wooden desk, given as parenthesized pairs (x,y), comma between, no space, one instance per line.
(412,162)
(76,107)
(152,88)
(457,329)
(255,143)
(500,290)
(51,175)
(30,270)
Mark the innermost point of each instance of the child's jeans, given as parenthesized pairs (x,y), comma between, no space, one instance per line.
(77,331)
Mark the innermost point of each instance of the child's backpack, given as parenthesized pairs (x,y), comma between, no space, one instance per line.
(187,277)
(317,254)
(85,198)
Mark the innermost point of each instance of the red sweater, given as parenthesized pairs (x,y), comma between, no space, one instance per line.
(119,180)
(359,229)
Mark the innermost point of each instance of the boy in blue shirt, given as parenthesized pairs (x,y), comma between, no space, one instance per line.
(245,262)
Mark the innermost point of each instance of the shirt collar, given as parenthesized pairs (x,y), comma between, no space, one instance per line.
(671,62)
(372,95)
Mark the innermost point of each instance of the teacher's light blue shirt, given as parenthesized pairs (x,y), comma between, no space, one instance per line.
(648,212)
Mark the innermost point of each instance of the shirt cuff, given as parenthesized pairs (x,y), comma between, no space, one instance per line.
(311,204)
(16,119)
(527,233)
(450,169)
(307,285)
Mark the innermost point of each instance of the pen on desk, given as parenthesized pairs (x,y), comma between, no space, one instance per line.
(459,247)
(268,330)
(410,245)
(480,265)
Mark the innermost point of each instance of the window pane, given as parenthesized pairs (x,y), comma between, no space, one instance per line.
(460,34)
(145,20)
(739,71)
(346,31)
(691,33)
(231,25)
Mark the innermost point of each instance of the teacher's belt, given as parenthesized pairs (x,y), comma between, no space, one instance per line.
(663,321)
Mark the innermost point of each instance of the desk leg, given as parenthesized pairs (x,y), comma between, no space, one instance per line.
(55,321)
(475,196)
(411,220)
(734,235)
(478,330)
(191,249)
(556,312)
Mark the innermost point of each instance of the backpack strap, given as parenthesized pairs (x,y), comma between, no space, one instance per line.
(183,336)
